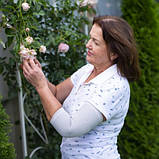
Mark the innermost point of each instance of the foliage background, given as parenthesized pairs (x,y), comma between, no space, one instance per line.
(63,22)
(49,25)
(139,138)
(7,150)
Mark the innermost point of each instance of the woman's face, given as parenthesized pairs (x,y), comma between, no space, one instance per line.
(97,50)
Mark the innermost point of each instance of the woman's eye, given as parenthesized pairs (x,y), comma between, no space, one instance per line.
(96,43)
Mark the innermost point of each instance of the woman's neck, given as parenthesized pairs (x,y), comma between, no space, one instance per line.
(96,71)
(99,69)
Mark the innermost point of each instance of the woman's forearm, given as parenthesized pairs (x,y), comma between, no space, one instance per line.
(52,88)
(46,90)
(62,90)
(49,101)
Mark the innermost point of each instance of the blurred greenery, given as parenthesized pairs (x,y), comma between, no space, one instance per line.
(139,138)
(7,150)
(64,22)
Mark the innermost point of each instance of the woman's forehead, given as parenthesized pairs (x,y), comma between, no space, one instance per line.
(96,32)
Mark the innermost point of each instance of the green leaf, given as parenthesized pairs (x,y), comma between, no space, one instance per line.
(42,13)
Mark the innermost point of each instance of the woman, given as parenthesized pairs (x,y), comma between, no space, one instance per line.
(88,109)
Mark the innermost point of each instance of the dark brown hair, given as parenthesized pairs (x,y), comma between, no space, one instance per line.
(119,39)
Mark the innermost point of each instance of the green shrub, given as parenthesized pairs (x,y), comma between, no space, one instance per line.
(140,136)
(7,150)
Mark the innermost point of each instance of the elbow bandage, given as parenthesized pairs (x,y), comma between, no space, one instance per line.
(81,122)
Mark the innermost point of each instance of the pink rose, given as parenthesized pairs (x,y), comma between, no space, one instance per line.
(63,47)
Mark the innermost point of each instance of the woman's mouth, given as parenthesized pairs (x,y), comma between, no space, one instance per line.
(89,53)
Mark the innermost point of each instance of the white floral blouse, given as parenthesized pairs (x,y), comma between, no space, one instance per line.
(109,93)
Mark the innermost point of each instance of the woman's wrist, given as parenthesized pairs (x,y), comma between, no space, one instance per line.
(42,88)
(52,87)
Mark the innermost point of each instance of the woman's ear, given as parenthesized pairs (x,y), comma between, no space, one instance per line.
(113,56)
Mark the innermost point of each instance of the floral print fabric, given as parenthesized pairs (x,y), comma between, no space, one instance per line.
(109,93)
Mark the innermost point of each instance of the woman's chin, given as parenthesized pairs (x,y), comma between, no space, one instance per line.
(89,60)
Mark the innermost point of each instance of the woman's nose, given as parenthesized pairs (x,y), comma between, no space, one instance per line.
(88,45)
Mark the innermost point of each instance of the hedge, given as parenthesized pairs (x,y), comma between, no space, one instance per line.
(7,150)
(139,138)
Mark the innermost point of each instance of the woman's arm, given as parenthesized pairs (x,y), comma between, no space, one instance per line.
(65,124)
(49,101)
(77,124)
(62,90)
(35,76)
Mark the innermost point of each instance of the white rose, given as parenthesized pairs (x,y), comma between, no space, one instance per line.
(42,49)
(32,52)
(29,39)
(88,2)
(24,53)
(22,47)
(8,25)
(25,6)
(27,29)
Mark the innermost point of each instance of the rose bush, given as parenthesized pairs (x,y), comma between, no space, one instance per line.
(36,28)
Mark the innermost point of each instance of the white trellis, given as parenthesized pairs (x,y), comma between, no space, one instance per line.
(24,117)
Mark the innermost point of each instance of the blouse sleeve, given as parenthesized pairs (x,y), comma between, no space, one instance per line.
(111,99)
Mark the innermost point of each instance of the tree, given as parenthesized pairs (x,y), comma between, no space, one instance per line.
(139,138)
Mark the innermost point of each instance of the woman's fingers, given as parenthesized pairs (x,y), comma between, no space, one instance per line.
(26,66)
(32,63)
(34,74)
(25,75)
(29,66)
(21,66)
(37,62)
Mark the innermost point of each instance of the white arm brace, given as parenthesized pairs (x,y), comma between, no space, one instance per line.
(81,122)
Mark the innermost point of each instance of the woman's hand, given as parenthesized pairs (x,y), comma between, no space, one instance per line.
(37,63)
(33,73)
